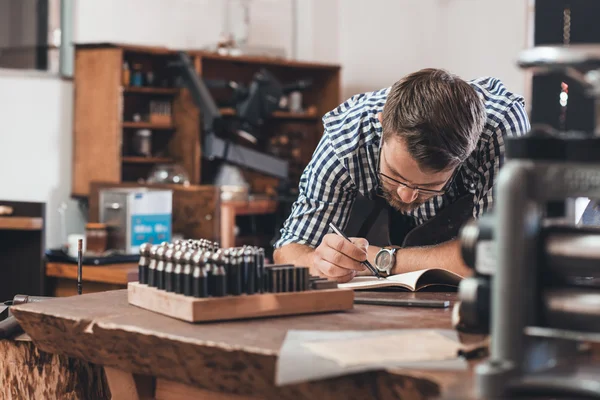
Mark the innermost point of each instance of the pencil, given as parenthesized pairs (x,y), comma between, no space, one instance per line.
(366,263)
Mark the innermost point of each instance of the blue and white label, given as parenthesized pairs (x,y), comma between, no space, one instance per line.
(154,228)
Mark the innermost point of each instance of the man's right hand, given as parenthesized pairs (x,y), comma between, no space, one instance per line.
(338,259)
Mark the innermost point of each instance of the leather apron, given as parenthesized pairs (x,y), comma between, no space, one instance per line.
(382,226)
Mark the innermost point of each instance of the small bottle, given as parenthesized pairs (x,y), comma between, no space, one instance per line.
(126,74)
(137,78)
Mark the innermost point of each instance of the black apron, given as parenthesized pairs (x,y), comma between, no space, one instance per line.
(375,220)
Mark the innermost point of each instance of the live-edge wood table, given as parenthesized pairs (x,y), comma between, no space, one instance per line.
(147,355)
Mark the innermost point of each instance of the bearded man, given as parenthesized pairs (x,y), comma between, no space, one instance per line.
(426,151)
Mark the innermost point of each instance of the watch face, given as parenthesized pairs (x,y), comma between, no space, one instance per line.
(383,260)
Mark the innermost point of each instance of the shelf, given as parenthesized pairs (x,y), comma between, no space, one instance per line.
(146,125)
(21,223)
(149,90)
(276,114)
(251,207)
(264,60)
(146,160)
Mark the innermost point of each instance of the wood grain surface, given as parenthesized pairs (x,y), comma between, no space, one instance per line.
(21,223)
(29,373)
(237,357)
(193,309)
(119,274)
(97,118)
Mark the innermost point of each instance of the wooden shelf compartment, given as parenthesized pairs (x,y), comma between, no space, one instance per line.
(147,125)
(263,60)
(150,90)
(251,207)
(21,223)
(276,115)
(146,160)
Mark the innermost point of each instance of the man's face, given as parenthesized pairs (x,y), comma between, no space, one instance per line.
(404,185)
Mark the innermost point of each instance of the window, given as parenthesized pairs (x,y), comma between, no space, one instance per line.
(30,34)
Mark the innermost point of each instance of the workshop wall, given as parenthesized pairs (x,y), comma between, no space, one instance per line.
(192,24)
(36,145)
(382,40)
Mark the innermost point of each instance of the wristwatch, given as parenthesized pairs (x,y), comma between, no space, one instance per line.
(385,260)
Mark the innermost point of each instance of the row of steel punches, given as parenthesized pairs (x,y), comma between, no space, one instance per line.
(200,268)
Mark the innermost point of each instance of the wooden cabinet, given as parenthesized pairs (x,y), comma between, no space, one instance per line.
(111,105)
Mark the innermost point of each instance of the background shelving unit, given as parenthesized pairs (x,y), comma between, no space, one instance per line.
(109,110)
(105,104)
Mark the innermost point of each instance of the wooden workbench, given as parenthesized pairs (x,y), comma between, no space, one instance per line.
(95,278)
(221,360)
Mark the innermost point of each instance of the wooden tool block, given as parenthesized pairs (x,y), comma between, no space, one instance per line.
(193,309)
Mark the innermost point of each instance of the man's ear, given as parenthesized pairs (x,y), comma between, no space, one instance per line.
(380,117)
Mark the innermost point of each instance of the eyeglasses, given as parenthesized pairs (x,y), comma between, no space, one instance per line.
(428,192)
(424,191)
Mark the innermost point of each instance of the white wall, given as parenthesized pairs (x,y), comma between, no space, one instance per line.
(383,40)
(191,24)
(35,146)
(318,36)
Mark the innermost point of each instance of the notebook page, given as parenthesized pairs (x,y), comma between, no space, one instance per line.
(370,282)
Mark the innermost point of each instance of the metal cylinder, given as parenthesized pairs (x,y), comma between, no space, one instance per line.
(574,254)
(512,284)
(576,309)
(23,299)
(476,237)
(569,252)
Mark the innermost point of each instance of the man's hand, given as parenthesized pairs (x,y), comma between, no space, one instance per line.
(338,259)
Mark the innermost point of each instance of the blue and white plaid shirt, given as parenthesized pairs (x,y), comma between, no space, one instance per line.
(346,159)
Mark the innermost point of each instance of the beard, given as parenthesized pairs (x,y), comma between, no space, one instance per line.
(398,204)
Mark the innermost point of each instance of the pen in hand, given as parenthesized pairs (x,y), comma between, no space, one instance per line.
(366,263)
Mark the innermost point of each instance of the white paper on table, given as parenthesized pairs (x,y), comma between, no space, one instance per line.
(399,347)
(296,363)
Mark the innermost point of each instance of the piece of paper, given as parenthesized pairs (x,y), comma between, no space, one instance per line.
(399,347)
(296,363)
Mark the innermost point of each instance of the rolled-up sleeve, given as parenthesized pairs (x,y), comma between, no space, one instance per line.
(326,193)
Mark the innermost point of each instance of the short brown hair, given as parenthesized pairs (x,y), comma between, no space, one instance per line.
(438,115)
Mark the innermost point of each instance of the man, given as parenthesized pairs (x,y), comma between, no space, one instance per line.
(430,145)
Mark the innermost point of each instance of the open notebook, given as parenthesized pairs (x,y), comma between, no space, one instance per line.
(413,281)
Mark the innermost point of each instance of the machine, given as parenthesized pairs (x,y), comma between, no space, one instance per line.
(536,286)
(253,105)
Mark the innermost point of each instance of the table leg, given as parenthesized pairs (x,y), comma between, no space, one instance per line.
(227,226)
(127,386)
(170,390)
